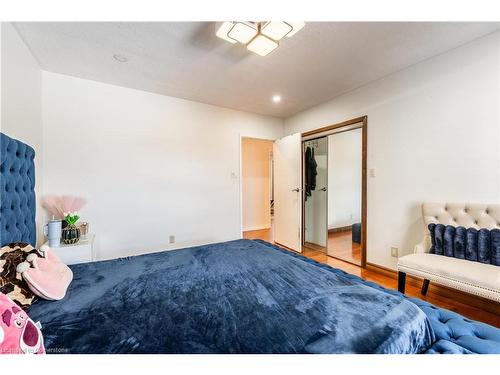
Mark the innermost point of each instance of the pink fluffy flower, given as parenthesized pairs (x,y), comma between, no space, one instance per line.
(60,206)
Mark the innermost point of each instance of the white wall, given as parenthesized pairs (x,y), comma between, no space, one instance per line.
(21,113)
(433,135)
(150,165)
(344,178)
(256,183)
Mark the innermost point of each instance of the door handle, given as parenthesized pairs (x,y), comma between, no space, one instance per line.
(323,189)
(296,190)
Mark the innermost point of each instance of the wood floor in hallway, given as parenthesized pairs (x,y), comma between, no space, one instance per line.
(382,278)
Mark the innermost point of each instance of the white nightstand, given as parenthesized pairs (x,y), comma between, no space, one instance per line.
(80,252)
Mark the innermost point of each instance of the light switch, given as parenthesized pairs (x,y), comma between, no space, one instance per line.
(371,172)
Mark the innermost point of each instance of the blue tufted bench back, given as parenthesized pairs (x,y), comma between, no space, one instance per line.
(17,192)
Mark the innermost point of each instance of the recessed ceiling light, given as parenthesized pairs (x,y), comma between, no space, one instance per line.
(276,98)
(120,58)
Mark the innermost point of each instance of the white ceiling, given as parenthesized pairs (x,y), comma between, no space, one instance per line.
(187,60)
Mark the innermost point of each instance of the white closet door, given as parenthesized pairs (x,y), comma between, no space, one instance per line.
(288,192)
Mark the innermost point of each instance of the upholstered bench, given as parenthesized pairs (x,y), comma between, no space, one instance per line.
(475,277)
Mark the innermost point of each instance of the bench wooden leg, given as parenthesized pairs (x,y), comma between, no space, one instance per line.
(425,287)
(401,281)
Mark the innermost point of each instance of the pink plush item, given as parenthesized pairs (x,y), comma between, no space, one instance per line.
(18,333)
(47,277)
(47,262)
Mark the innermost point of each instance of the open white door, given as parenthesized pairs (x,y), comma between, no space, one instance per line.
(288,191)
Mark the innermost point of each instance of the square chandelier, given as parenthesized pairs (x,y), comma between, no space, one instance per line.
(259,37)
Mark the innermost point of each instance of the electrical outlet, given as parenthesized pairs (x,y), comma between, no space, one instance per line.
(394,252)
(171,239)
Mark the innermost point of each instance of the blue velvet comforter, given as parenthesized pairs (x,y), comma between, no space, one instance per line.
(235,297)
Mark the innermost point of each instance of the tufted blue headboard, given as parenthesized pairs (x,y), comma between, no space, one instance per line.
(17,192)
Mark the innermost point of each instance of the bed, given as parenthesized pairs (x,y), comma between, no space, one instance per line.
(234,297)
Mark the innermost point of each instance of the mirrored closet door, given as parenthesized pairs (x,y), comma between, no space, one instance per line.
(345,195)
(334,190)
(315,162)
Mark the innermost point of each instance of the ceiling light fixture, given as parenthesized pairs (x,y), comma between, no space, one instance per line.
(276,29)
(223,29)
(276,98)
(120,58)
(296,26)
(242,32)
(262,45)
(259,37)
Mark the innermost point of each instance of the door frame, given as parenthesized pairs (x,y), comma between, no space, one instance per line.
(363,120)
(241,177)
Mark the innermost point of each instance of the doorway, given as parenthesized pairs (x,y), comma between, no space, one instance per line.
(257,190)
(334,185)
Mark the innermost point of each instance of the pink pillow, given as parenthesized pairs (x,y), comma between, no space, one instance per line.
(48,277)
(18,333)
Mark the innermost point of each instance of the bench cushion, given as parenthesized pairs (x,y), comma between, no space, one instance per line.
(475,245)
(478,278)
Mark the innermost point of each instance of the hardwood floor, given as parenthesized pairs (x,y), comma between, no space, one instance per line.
(387,281)
(340,245)
(263,234)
